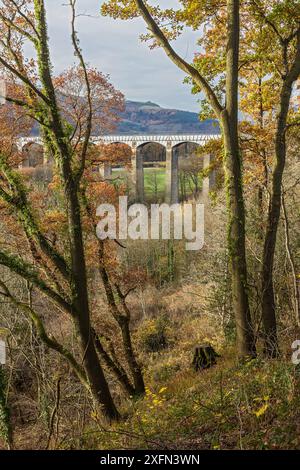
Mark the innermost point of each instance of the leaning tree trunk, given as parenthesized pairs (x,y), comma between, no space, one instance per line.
(237,246)
(123,321)
(114,366)
(135,369)
(291,260)
(229,121)
(292,73)
(234,188)
(268,298)
(78,282)
(81,314)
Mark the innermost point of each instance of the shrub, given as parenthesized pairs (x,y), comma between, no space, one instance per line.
(153,334)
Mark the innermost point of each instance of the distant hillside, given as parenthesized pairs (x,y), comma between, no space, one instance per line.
(150,118)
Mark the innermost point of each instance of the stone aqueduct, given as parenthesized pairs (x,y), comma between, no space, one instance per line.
(170,143)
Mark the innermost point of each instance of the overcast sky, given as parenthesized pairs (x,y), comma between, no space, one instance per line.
(113,47)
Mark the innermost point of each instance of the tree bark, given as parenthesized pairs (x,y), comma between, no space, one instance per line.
(228,116)
(291,260)
(123,322)
(115,367)
(234,188)
(268,299)
(78,278)
(135,369)
(94,371)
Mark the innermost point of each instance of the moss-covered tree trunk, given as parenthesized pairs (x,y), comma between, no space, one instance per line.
(123,320)
(81,314)
(268,298)
(58,140)
(236,247)
(228,116)
(234,188)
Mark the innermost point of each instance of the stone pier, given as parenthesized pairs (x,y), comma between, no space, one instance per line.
(137,174)
(171,191)
(209,181)
(105,170)
(136,142)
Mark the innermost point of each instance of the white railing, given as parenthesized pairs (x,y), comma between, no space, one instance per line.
(136,139)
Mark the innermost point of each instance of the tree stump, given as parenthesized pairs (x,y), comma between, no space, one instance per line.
(204,357)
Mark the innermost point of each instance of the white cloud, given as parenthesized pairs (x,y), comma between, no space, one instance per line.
(113,47)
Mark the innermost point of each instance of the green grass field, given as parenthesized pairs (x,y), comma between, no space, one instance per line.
(154,182)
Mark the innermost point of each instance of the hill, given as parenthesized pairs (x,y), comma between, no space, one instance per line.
(150,118)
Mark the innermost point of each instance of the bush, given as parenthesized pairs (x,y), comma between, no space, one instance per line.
(153,334)
(165,372)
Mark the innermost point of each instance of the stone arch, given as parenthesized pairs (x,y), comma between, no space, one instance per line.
(204,160)
(149,152)
(32,155)
(185,149)
(119,156)
(123,153)
(153,152)
(189,164)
